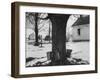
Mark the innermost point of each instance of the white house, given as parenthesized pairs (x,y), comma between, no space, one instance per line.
(81,29)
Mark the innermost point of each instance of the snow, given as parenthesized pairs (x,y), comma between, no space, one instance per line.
(79,50)
(37,51)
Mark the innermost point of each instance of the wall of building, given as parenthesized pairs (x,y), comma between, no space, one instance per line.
(81,33)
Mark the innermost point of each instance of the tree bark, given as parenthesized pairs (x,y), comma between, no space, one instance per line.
(59,37)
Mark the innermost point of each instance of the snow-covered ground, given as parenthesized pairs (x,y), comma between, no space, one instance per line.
(37,51)
(79,50)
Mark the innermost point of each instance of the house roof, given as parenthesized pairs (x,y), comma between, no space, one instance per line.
(82,20)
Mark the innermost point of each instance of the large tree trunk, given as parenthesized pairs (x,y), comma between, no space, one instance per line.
(59,37)
(36,29)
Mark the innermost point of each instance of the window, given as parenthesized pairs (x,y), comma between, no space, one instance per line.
(78,31)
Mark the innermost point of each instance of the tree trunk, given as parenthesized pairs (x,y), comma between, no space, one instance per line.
(36,30)
(59,37)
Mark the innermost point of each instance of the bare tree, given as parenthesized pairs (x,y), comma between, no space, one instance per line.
(36,29)
(36,19)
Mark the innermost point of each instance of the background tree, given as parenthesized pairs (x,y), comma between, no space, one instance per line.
(38,21)
(36,29)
